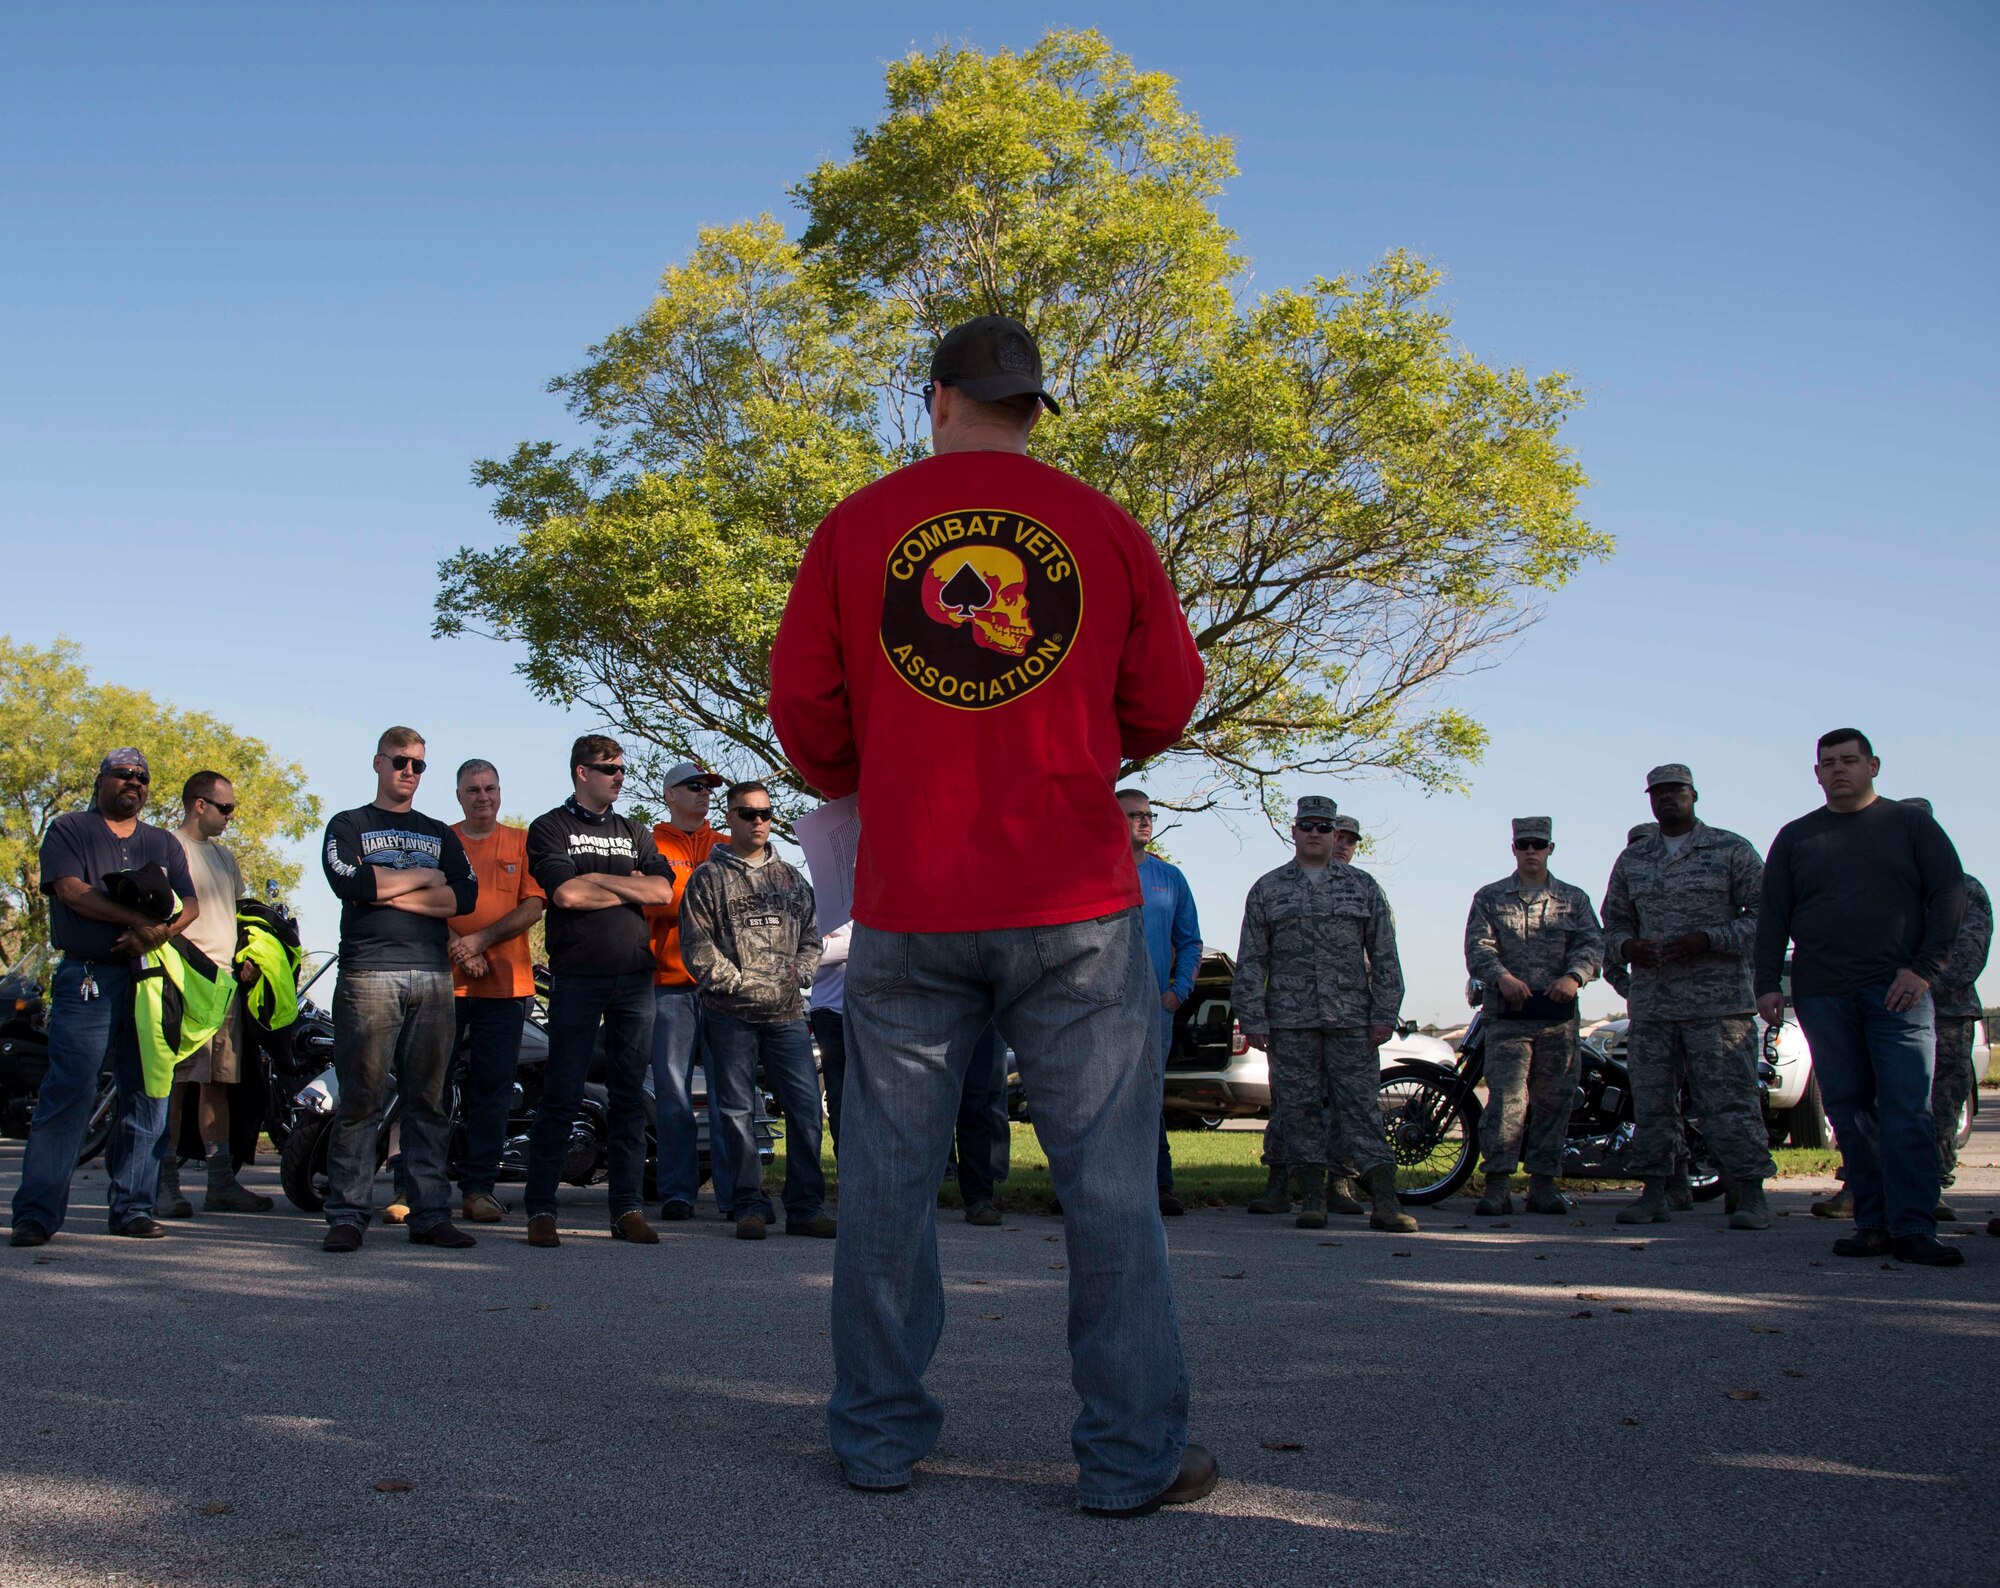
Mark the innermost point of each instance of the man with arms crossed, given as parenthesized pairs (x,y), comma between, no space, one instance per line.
(91,1010)
(399,877)
(1869,894)
(208,803)
(600,871)
(1681,910)
(976,643)
(685,840)
(749,935)
(495,981)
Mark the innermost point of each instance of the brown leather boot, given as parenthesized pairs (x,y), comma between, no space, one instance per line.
(542,1230)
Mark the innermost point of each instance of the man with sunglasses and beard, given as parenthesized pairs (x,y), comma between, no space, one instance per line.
(1534,942)
(399,876)
(750,937)
(600,871)
(91,1005)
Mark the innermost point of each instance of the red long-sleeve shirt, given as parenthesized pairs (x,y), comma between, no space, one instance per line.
(974,643)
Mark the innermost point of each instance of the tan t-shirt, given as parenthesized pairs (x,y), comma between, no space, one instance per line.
(218,884)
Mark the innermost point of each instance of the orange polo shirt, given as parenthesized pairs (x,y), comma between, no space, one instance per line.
(500,862)
(683,851)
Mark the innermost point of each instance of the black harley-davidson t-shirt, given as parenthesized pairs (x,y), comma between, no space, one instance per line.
(570,841)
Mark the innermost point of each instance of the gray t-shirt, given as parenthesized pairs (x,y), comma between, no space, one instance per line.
(81,844)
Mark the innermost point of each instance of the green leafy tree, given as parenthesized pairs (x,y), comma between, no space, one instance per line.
(1353,508)
(55,726)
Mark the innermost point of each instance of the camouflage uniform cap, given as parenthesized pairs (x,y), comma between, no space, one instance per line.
(1920,802)
(1347,824)
(1671,772)
(1535,827)
(1316,807)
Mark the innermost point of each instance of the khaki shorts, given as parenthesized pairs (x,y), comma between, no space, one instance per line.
(219,1060)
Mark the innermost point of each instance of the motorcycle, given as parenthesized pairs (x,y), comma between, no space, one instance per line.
(1431,1112)
(302,1163)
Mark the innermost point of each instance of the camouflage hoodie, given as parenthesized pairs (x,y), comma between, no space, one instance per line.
(749,937)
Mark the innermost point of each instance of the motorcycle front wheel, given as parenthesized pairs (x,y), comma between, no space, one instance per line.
(302,1163)
(1431,1126)
(103,1117)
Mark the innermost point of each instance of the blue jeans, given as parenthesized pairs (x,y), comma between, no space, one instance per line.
(1163,1172)
(984,1142)
(577,1005)
(829,1029)
(677,1038)
(492,1060)
(82,1036)
(783,1047)
(1874,1070)
(402,1021)
(1076,1002)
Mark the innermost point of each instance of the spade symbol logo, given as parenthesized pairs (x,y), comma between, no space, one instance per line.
(967,591)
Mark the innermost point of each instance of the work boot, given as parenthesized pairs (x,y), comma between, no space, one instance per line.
(1387,1212)
(1342,1196)
(481,1207)
(1277,1197)
(1752,1211)
(1495,1203)
(225,1193)
(170,1202)
(1543,1197)
(1944,1214)
(1312,1200)
(1680,1190)
(1651,1208)
(1838,1206)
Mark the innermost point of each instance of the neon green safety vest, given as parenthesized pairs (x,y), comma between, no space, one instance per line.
(181,997)
(269,944)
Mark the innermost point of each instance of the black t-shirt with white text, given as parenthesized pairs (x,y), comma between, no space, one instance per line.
(376,936)
(569,842)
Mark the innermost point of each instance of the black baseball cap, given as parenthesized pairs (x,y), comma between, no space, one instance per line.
(990,358)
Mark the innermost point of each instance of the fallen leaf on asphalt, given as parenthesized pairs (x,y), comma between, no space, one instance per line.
(1058,1265)
(1745,1395)
(1581,1223)
(1638,1246)
(992,1317)
(1237,1275)
(1461,1226)
(1483,1312)
(1503,1226)
(1621,1309)
(1399,1254)
(976,1281)
(1588,1295)
(1283,1444)
(216,1508)
(45,1259)
(1792,1372)
(1629,1422)
(393,1485)
(1815,1265)
(1764,1328)
(1585,1314)
(1329,1243)
(494,1309)
(540,1306)
(1051,1237)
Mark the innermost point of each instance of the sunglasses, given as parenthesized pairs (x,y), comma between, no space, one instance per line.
(931,389)
(125,774)
(754,813)
(1531,843)
(217,805)
(1313,827)
(409,763)
(701,783)
(605,768)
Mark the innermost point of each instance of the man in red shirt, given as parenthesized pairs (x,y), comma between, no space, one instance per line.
(975,644)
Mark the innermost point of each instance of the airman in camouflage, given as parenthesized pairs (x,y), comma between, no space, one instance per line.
(1318,985)
(1616,975)
(1681,910)
(1956,1011)
(1533,942)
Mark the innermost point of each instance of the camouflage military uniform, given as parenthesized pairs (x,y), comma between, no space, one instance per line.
(1531,1064)
(1316,968)
(1957,1016)
(1696,1019)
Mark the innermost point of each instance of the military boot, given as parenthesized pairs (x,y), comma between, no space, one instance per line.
(1680,1190)
(170,1202)
(1945,1213)
(1495,1202)
(1277,1197)
(1838,1206)
(1341,1196)
(225,1193)
(1387,1212)
(1312,1200)
(1543,1197)
(1651,1208)
(1752,1211)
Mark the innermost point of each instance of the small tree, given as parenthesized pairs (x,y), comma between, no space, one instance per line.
(55,726)
(1352,507)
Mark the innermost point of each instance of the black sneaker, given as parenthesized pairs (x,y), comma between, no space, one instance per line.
(1863,1243)
(345,1237)
(443,1233)
(1170,1205)
(1925,1249)
(141,1227)
(29,1233)
(985,1214)
(676,1212)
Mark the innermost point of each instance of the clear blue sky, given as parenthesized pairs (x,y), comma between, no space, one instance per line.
(274,276)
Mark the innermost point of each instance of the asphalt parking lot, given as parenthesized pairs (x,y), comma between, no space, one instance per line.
(1556,1401)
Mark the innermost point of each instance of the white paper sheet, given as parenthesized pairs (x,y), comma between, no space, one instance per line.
(831,839)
